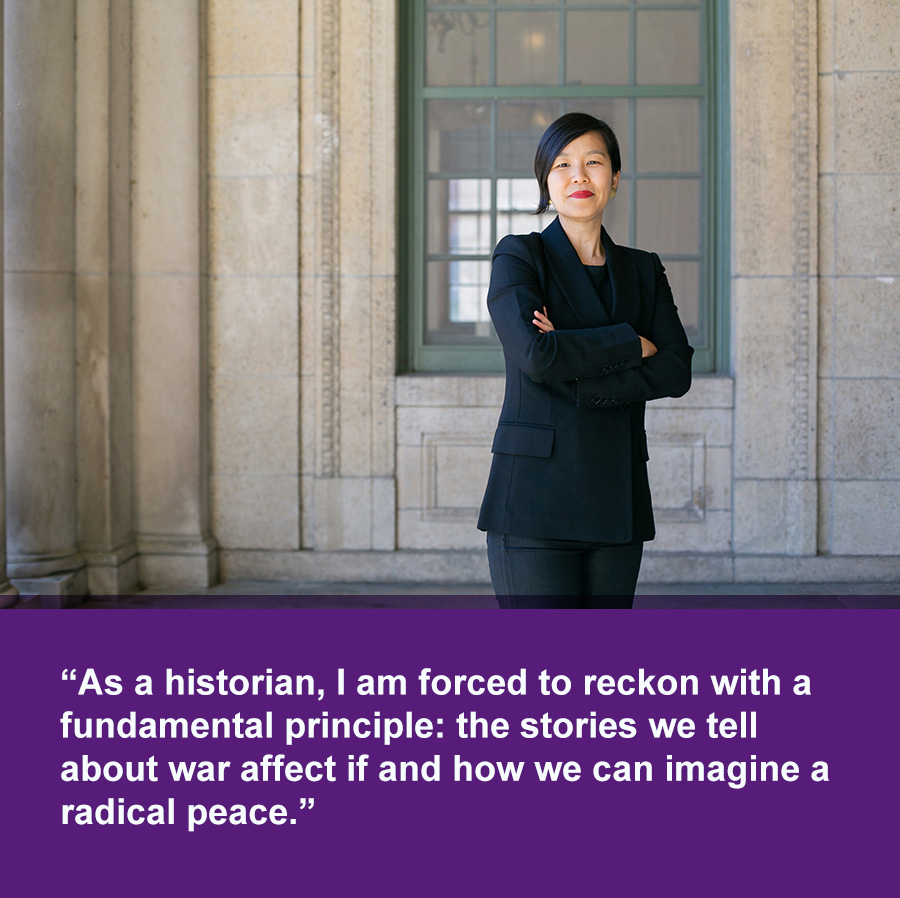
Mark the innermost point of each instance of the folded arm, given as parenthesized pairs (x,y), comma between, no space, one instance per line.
(514,296)
(667,372)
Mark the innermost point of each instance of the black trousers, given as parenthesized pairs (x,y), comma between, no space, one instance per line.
(558,573)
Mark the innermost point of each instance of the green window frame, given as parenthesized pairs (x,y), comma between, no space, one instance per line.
(456,355)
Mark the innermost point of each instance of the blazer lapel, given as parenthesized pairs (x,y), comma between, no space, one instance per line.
(624,281)
(569,273)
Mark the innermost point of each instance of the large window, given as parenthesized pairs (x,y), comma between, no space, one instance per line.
(483,81)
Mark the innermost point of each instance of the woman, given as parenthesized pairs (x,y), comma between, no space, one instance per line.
(589,333)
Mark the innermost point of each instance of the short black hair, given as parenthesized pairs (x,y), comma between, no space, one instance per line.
(562,132)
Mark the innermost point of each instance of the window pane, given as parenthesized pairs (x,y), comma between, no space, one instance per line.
(459,136)
(668,135)
(617,214)
(457,49)
(615,112)
(456,310)
(516,201)
(668,216)
(684,279)
(527,47)
(520,124)
(597,47)
(668,47)
(459,216)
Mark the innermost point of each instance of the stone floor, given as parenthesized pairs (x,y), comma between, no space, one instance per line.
(421,595)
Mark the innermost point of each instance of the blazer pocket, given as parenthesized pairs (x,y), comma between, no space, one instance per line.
(524,439)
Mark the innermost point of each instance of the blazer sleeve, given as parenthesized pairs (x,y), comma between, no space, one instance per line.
(515,293)
(668,373)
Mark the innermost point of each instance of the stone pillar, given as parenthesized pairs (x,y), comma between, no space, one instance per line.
(8,592)
(774,279)
(168,257)
(39,215)
(348,274)
(103,295)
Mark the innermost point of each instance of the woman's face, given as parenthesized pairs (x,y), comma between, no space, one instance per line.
(581,179)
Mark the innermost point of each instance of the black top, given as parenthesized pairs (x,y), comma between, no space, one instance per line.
(599,276)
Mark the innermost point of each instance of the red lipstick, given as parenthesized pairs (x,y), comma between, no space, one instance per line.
(580,194)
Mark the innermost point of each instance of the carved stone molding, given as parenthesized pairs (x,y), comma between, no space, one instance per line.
(327,233)
(804,197)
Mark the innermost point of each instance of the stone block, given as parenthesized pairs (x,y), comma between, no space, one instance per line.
(867,224)
(253,425)
(414,423)
(826,223)
(253,226)
(823,569)
(826,325)
(39,136)
(713,423)
(253,126)
(825,429)
(712,534)
(865,35)
(865,517)
(166,138)
(40,413)
(256,512)
(254,327)
(442,567)
(707,391)
(775,517)
(666,567)
(867,429)
(261,37)
(677,476)
(346,517)
(717,488)
(865,327)
(763,321)
(453,390)
(384,513)
(763,161)
(309,430)
(460,475)
(113,579)
(867,110)
(760,516)
(416,532)
(169,406)
(308,135)
(827,128)
(826,35)
(409,477)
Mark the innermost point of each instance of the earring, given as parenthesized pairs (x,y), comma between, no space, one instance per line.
(612,193)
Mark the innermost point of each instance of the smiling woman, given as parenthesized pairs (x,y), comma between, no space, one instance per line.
(589,334)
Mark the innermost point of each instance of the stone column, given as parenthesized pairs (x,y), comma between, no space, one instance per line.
(103,295)
(168,256)
(39,215)
(8,592)
(774,282)
(348,274)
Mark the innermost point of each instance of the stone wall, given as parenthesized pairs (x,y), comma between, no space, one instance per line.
(201,306)
(859,283)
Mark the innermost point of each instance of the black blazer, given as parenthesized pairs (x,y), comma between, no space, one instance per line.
(570,450)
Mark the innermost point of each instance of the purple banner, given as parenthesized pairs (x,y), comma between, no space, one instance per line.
(738,753)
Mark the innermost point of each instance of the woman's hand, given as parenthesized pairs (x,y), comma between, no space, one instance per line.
(647,348)
(544,324)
